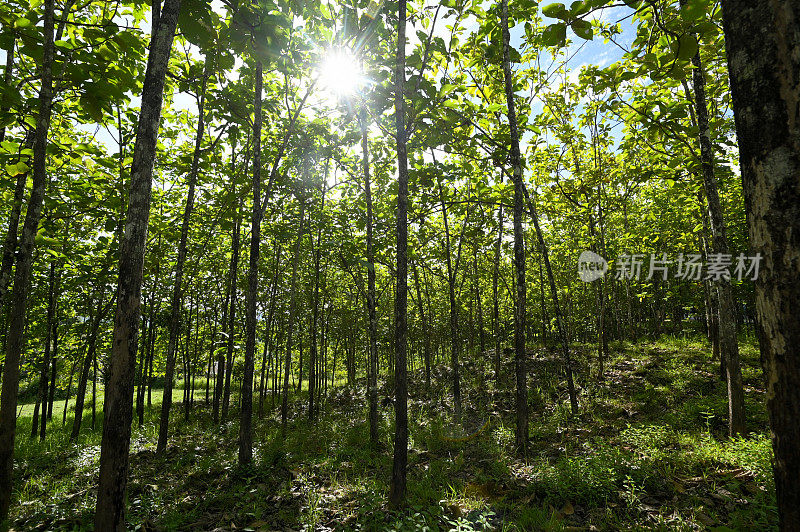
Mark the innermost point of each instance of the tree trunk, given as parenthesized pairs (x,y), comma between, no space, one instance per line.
(267,356)
(69,391)
(397,489)
(426,346)
(451,293)
(44,377)
(372,347)
(246,404)
(312,363)
(728,343)
(290,324)
(110,512)
(177,287)
(496,302)
(519,246)
(232,277)
(22,275)
(764,60)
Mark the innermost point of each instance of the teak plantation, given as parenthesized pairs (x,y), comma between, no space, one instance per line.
(400,265)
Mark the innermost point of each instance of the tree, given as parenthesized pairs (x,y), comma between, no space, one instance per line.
(521,434)
(397,490)
(110,511)
(246,409)
(22,274)
(762,45)
(176,302)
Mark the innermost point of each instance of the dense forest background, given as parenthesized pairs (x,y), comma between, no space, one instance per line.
(265,268)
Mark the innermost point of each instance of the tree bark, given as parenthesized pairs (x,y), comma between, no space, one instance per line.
(246,408)
(451,294)
(728,343)
(290,325)
(521,435)
(44,376)
(496,303)
(110,511)
(22,275)
(372,347)
(397,489)
(763,47)
(177,287)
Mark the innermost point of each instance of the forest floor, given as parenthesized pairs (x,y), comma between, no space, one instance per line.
(647,451)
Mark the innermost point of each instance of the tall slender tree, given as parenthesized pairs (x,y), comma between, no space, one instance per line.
(110,511)
(24,263)
(397,490)
(251,298)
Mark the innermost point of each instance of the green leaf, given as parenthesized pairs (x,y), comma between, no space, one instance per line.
(16,169)
(582,29)
(555,11)
(91,105)
(580,7)
(65,44)
(694,10)
(687,47)
(22,23)
(554,35)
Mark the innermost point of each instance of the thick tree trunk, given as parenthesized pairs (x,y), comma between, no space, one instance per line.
(177,287)
(763,45)
(246,408)
(22,275)
(110,512)
(397,489)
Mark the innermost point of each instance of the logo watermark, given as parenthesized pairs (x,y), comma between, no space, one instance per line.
(687,267)
(591,266)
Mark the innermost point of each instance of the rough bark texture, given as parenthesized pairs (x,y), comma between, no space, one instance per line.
(397,489)
(246,409)
(10,241)
(763,45)
(22,275)
(110,512)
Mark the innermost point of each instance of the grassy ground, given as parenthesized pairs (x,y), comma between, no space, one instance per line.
(646,452)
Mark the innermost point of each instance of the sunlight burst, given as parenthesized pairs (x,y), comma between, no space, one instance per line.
(340,73)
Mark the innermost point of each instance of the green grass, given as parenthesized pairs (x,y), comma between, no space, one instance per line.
(647,451)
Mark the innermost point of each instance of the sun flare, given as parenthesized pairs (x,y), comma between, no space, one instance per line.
(340,72)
